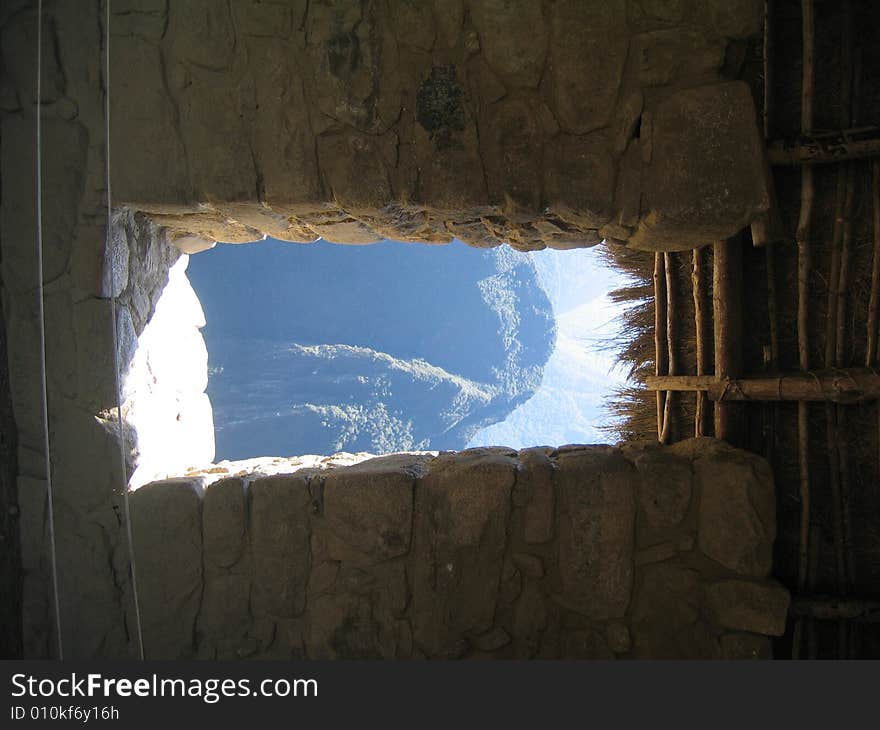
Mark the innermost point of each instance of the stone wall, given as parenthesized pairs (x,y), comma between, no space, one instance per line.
(534,123)
(518,121)
(581,552)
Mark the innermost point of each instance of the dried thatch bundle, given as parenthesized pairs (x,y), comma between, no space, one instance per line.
(632,409)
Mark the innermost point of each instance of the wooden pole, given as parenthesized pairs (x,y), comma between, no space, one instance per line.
(835,330)
(661,348)
(827,608)
(847,385)
(853,68)
(726,302)
(760,235)
(667,435)
(802,236)
(701,326)
(827,147)
(874,302)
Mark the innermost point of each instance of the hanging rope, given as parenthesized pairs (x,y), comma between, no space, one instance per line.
(44,397)
(108,260)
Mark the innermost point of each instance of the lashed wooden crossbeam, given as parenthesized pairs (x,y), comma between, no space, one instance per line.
(825,147)
(846,385)
(828,608)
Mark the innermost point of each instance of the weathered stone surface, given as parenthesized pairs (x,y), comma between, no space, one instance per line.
(513,37)
(748,606)
(695,134)
(585,644)
(279,530)
(656,553)
(152,165)
(618,638)
(628,192)
(626,120)
(224,615)
(514,160)
(461,511)
(737,513)
(733,18)
(665,487)
(492,640)
(224,521)
(589,48)
(653,13)
(596,531)
(529,621)
(414,23)
(91,587)
(355,171)
(282,138)
(359,617)
(355,62)
(268,20)
(368,510)
(167,531)
(535,479)
(668,56)
(666,612)
(742,645)
(531,566)
(579,181)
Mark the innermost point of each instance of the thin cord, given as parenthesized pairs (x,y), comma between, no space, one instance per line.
(108,254)
(50,502)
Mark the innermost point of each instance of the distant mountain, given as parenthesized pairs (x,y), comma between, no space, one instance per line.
(321,348)
(581,372)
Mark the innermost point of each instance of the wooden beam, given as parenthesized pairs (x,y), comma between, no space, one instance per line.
(666,434)
(874,302)
(825,147)
(701,327)
(661,351)
(849,385)
(802,236)
(828,608)
(727,308)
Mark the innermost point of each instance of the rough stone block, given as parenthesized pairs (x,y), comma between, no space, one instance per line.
(656,553)
(513,157)
(668,56)
(167,530)
(224,617)
(589,50)
(279,537)
(355,65)
(737,513)
(461,512)
(706,179)
(618,637)
(513,38)
(665,485)
(579,179)
(368,510)
(535,478)
(742,645)
(224,522)
(760,608)
(666,613)
(150,165)
(529,621)
(585,644)
(596,531)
